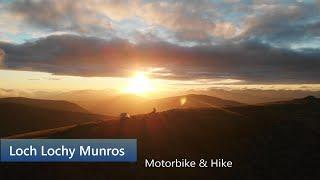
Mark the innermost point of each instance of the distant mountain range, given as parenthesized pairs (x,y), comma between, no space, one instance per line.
(192,101)
(306,100)
(135,104)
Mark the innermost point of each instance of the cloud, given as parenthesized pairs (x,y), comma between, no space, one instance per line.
(191,20)
(78,16)
(280,23)
(249,61)
(283,25)
(13,93)
(188,19)
(67,54)
(2,54)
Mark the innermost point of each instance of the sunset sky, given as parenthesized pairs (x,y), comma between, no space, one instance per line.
(177,45)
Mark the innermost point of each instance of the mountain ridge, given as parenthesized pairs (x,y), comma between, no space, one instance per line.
(21,118)
(44,103)
(136,105)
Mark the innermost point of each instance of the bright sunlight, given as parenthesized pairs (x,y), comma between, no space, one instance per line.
(139,84)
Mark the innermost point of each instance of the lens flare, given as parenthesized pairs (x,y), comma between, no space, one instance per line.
(183,101)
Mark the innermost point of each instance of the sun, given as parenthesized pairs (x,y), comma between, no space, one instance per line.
(139,84)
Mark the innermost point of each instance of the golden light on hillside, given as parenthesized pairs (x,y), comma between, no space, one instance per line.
(140,83)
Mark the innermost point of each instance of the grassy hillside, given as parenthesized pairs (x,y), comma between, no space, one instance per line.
(192,101)
(275,141)
(18,118)
(46,104)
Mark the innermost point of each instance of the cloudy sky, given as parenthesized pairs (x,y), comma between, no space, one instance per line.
(76,44)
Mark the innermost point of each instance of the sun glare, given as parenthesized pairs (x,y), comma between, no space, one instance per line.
(139,84)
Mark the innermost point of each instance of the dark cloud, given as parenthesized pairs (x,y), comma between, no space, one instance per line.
(2,54)
(284,25)
(251,61)
(68,54)
(204,22)
(54,15)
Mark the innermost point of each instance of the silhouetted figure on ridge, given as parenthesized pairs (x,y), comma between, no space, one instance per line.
(153,111)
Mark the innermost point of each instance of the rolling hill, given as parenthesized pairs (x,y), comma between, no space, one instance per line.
(45,104)
(135,104)
(21,118)
(263,142)
(309,100)
(192,101)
